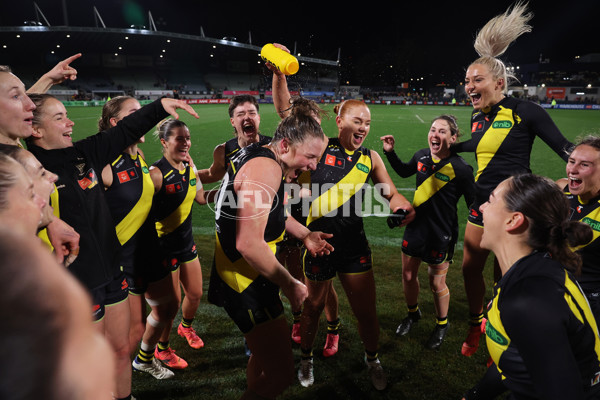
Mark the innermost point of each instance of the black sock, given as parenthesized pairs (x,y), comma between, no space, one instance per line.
(333,327)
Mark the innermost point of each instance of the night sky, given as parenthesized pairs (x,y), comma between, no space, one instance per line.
(406,39)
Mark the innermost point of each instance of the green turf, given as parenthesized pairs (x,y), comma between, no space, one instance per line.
(218,370)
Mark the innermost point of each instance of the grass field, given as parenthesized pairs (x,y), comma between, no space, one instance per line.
(218,370)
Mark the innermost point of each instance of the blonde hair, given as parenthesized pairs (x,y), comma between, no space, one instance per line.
(495,37)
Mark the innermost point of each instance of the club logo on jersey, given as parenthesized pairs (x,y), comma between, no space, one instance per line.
(595,225)
(502,125)
(127,175)
(362,167)
(334,161)
(442,177)
(494,335)
(477,127)
(174,188)
(595,379)
(89,180)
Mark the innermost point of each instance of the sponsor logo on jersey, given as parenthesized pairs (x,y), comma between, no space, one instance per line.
(595,225)
(442,177)
(502,125)
(494,335)
(334,161)
(89,180)
(145,170)
(193,182)
(362,167)
(421,167)
(477,127)
(173,188)
(127,175)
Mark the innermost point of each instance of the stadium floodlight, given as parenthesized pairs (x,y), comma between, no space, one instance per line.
(38,13)
(98,18)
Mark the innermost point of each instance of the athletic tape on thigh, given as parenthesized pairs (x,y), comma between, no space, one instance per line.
(159,301)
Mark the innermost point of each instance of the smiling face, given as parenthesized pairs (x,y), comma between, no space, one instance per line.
(22,206)
(354,126)
(43,182)
(53,128)
(495,214)
(482,87)
(16,109)
(177,145)
(301,157)
(246,121)
(583,172)
(440,138)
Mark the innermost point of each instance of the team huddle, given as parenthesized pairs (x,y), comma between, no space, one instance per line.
(122,227)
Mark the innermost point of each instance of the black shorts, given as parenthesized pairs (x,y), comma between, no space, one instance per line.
(257,304)
(325,268)
(431,249)
(475,216)
(111,293)
(144,264)
(173,260)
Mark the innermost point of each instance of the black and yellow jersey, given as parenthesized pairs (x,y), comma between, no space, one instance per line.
(440,185)
(130,195)
(80,196)
(541,333)
(232,269)
(502,138)
(232,146)
(337,189)
(43,233)
(588,213)
(172,207)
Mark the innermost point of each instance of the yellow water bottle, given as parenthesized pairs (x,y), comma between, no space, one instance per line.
(281,59)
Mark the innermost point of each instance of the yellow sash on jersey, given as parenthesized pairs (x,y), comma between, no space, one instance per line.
(341,192)
(238,274)
(433,184)
(43,234)
(493,138)
(176,218)
(593,220)
(578,302)
(496,338)
(138,214)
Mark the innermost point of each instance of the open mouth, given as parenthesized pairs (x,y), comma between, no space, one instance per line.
(358,138)
(435,145)
(574,183)
(67,135)
(249,128)
(475,98)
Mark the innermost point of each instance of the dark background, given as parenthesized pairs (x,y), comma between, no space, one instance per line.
(378,42)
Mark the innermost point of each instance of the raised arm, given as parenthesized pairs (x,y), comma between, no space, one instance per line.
(403,169)
(250,230)
(217,169)
(57,75)
(388,190)
(281,93)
